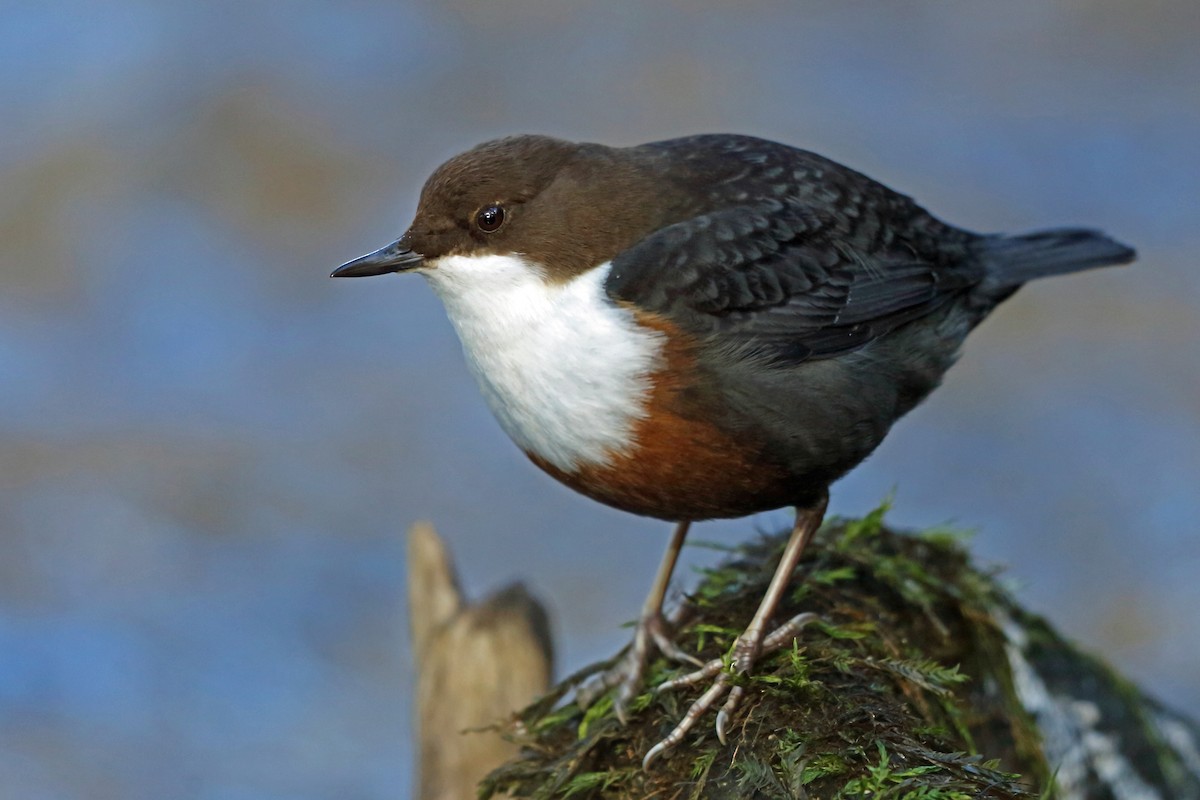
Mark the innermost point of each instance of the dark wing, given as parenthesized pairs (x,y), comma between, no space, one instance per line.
(781,279)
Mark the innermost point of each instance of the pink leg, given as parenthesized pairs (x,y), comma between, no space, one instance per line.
(652,629)
(751,644)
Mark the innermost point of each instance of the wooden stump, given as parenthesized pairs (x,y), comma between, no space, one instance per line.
(476,663)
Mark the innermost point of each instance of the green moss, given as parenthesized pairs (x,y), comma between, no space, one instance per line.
(592,782)
(886,781)
(826,765)
(899,690)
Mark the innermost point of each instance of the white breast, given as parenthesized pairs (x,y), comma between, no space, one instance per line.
(565,371)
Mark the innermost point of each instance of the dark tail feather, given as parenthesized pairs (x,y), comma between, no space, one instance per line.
(1012,260)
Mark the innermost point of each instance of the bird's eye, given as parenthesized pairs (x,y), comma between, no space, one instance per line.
(490,218)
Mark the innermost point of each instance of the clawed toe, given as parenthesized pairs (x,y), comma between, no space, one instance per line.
(745,652)
(689,719)
(628,672)
(652,629)
(668,648)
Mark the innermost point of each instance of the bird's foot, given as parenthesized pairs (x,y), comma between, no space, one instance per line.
(750,646)
(652,632)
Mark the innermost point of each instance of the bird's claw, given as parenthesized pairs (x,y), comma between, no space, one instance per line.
(745,653)
(731,704)
(689,719)
(627,673)
(671,650)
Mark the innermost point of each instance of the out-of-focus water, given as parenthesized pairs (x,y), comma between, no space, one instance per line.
(209,452)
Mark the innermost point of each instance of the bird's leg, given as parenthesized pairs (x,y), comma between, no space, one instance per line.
(752,643)
(652,628)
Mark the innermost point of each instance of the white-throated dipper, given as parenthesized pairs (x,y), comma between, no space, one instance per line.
(703,327)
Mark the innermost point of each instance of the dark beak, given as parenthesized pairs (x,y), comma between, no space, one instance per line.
(396,257)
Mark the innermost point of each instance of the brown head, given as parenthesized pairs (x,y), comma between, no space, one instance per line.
(564,206)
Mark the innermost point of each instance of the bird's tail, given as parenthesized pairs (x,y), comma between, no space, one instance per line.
(1013,260)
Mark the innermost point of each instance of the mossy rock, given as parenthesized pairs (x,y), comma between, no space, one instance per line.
(921,680)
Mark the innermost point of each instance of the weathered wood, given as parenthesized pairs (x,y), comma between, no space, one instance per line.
(475,664)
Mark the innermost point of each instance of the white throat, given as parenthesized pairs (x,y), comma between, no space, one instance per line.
(565,371)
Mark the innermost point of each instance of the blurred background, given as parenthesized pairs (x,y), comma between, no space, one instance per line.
(209,452)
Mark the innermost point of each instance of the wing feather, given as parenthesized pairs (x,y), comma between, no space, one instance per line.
(782,279)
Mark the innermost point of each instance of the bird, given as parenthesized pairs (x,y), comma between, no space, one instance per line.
(704,327)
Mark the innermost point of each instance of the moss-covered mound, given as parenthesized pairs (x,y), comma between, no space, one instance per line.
(920,680)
